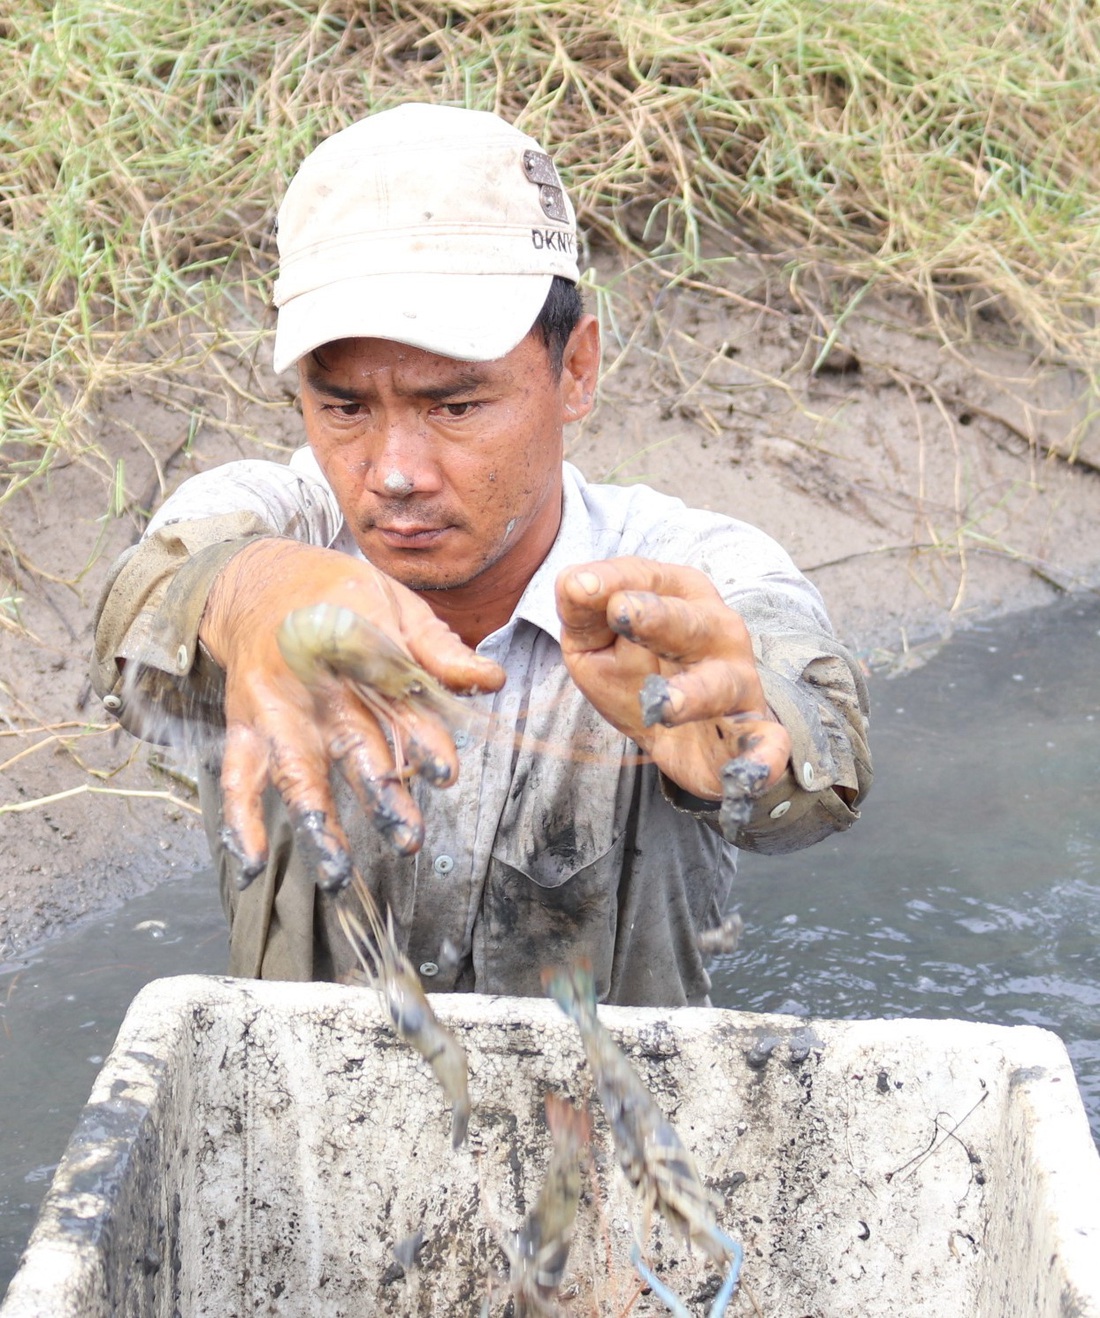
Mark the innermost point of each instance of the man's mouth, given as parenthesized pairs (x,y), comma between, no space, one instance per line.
(409,535)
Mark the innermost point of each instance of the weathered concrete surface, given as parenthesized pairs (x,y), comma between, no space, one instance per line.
(259,1148)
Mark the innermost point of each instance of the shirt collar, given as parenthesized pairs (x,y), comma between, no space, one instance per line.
(573,544)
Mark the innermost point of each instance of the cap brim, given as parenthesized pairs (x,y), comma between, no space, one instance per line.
(474,318)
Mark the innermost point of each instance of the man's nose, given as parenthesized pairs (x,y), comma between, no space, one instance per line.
(403,465)
(397,483)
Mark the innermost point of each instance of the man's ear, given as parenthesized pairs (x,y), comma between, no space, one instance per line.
(580,367)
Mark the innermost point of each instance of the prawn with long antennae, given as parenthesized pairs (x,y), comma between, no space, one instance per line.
(651,1153)
(393,975)
(328,640)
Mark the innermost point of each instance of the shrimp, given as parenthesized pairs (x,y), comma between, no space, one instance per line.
(652,1155)
(537,1258)
(415,1022)
(723,937)
(327,640)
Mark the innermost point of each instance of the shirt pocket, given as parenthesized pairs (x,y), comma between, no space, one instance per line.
(530,923)
(551,890)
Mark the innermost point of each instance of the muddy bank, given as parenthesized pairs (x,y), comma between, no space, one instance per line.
(922,488)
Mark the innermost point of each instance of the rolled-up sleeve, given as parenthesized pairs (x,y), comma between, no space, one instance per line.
(818,693)
(819,696)
(813,685)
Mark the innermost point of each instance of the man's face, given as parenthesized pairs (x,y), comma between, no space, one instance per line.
(448,472)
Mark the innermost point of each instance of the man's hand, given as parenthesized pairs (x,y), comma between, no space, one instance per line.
(281,731)
(657,651)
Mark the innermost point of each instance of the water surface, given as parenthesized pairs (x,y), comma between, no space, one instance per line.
(971,886)
(60,1010)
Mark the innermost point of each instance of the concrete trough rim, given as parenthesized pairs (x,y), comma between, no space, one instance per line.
(65,1254)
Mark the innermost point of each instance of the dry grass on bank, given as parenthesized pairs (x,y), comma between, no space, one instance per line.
(955,151)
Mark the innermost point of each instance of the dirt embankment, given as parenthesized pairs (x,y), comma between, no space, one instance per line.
(921,488)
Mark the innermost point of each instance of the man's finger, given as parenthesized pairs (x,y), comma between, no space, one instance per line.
(582,607)
(442,653)
(387,804)
(761,746)
(358,724)
(356,744)
(671,627)
(606,576)
(424,743)
(324,846)
(714,688)
(743,780)
(244,776)
(593,614)
(299,772)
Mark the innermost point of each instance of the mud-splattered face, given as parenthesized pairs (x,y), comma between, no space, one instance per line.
(448,472)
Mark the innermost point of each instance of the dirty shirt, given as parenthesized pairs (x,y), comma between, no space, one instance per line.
(558,839)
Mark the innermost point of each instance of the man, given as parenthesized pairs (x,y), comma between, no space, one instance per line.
(622,649)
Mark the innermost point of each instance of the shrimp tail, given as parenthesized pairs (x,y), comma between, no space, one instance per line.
(573,988)
(447,1059)
(460,1123)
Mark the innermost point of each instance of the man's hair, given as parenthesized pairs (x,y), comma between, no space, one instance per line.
(558,319)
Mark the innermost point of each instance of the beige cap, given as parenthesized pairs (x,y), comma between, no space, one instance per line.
(428,225)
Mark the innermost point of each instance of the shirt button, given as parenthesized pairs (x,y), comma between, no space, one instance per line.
(460,740)
(183,659)
(112,702)
(807,775)
(428,969)
(443,864)
(780,810)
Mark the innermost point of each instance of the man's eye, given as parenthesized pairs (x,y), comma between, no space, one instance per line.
(457,409)
(345,409)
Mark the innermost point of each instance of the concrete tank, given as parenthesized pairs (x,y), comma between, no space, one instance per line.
(259,1148)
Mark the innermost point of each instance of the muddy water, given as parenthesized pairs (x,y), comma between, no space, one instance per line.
(59,1013)
(971,888)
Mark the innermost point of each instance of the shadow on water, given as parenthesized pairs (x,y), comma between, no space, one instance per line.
(970,889)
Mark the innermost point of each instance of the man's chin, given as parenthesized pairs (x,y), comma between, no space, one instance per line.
(424,576)
(423,583)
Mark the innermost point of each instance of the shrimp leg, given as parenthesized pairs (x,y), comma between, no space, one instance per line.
(672,1301)
(668,1298)
(729,1286)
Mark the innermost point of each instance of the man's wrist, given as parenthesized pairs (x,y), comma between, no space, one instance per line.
(229,595)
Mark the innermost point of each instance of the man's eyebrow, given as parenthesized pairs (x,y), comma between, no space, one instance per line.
(322,385)
(467,382)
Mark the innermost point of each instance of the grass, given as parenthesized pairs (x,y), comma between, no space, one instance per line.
(952,152)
